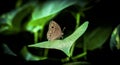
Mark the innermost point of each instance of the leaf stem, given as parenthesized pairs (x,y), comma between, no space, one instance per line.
(72,49)
(35,37)
(65,59)
(79,56)
(46,52)
(77,19)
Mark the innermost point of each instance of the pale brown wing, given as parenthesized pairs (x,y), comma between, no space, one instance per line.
(54,31)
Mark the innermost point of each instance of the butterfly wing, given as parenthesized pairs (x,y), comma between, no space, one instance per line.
(54,31)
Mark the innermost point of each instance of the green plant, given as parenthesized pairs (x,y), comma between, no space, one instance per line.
(13,23)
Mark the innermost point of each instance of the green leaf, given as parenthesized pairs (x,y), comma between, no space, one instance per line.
(4,24)
(21,13)
(115,38)
(51,7)
(30,57)
(14,18)
(97,37)
(38,24)
(78,63)
(65,44)
(46,11)
(7,50)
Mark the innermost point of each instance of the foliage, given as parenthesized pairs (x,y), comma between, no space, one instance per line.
(38,15)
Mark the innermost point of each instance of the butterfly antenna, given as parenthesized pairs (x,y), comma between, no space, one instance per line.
(64,29)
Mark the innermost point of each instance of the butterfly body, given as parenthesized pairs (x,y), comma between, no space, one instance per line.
(54,31)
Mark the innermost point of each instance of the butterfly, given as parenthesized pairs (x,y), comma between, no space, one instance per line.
(54,31)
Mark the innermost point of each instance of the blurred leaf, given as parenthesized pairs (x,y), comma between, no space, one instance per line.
(30,57)
(78,63)
(115,38)
(51,7)
(65,44)
(3,25)
(43,13)
(97,37)
(7,50)
(22,13)
(14,18)
(82,3)
(35,25)
(19,3)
